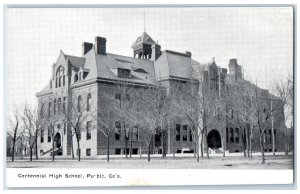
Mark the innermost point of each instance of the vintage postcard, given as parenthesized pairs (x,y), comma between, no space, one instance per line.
(149,96)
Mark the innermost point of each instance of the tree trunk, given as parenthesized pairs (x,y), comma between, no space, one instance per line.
(36,146)
(149,148)
(140,148)
(13,151)
(78,149)
(262,149)
(197,149)
(201,145)
(31,148)
(163,145)
(108,148)
(130,151)
(207,153)
(247,141)
(52,149)
(125,146)
(72,147)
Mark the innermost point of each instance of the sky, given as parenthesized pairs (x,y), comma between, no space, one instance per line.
(260,38)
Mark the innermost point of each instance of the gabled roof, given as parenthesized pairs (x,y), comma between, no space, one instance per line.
(173,64)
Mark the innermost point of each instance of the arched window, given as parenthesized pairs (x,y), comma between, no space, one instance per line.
(88,102)
(54,108)
(76,78)
(79,103)
(42,110)
(49,109)
(60,77)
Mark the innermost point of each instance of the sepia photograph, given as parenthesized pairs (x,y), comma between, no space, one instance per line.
(118,93)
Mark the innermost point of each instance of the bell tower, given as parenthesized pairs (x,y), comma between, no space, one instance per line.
(142,47)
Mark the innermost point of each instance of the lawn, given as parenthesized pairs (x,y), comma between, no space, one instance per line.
(214,162)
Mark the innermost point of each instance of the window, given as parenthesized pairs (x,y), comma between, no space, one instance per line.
(41,152)
(118,96)
(135,135)
(49,134)
(58,105)
(123,73)
(42,110)
(49,109)
(76,78)
(54,108)
(127,97)
(270,136)
(274,135)
(79,103)
(231,135)
(117,151)
(191,134)
(88,130)
(60,77)
(126,133)
(177,132)
(264,137)
(117,130)
(42,135)
(237,135)
(88,151)
(227,135)
(88,102)
(231,113)
(64,104)
(184,133)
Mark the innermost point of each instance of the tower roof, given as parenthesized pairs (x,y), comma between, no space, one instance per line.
(143,39)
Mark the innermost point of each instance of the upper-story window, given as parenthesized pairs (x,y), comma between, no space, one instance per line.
(88,102)
(49,109)
(123,73)
(54,108)
(60,77)
(79,103)
(75,78)
(42,110)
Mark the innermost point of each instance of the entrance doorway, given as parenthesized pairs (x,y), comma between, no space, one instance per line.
(214,139)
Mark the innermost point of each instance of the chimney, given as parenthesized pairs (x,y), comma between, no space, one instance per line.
(100,45)
(156,52)
(86,47)
(189,54)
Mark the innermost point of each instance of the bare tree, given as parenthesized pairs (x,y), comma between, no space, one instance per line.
(75,115)
(14,130)
(283,89)
(33,123)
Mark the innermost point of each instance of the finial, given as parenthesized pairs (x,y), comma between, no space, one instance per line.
(144,20)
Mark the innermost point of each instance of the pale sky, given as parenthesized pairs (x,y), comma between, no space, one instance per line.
(260,38)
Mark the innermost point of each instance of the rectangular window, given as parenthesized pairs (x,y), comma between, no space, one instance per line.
(118,96)
(135,135)
(88,151)
(226,134)
(274,135)
(177,132)
(237,135)
(59,105)
(59,84)
(63,80)
(42,136)
(184,133)
(117,130)
(64,104)
(117,151)
(270,136)
(191,134)
(88,130)
(126,133)
(49,134)
(231,135)
(264,137)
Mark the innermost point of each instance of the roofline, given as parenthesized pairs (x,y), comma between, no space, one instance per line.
(178,53)
(178,79)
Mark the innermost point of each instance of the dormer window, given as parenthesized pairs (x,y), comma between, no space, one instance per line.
(123,73)
(75,78)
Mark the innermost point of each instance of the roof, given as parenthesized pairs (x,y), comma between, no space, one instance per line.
(173,64)
(143,39)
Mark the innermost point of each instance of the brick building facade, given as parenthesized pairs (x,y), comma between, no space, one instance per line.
(101,80)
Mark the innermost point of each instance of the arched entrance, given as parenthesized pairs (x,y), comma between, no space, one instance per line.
(214,139)
(57,140)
